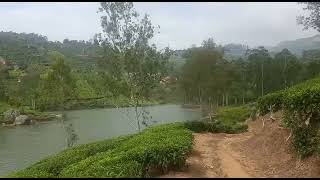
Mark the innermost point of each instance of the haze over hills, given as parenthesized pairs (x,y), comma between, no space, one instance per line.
(299,45)
(21,48)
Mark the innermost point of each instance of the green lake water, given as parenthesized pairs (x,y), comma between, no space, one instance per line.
(22,146)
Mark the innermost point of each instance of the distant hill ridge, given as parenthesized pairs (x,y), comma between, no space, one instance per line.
(299,45)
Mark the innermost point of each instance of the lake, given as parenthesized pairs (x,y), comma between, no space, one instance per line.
(22,146)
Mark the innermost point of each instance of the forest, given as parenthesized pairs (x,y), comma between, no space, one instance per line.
(205,74)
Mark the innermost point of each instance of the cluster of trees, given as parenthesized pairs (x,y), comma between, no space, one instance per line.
(39,86)
(23,49)
(208,77)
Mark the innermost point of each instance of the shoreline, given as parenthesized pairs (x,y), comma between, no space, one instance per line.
(56,113)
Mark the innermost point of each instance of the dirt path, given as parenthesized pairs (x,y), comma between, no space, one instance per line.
(263,151)
(229,163)
(212,157)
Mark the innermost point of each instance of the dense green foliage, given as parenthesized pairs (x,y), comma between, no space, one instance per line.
(161,147)
(272,100)
(208,77)
(232,115)
(301,105)
(227,120)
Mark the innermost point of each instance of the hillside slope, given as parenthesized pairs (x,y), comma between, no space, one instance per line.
(299,45)
(25,48)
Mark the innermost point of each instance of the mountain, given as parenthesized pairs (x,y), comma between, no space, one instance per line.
(299,45)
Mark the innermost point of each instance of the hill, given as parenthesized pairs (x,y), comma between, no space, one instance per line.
(25,48)
(299,45)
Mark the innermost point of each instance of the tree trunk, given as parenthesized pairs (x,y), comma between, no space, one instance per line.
(138,121)
(227,103)
(236,100)
(243,99)
(262,79)
(200,96)
(33,104)
(222,99)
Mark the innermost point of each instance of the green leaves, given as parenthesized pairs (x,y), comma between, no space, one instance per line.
(158,147)
(273,100)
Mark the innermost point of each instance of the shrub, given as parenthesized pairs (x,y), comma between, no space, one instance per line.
(301,105)
(302,114)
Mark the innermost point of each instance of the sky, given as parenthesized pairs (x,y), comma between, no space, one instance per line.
(182,24)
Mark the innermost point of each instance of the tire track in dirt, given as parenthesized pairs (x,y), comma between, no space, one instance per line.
(211,157)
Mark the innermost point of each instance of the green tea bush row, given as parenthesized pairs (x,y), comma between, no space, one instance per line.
(273,99)
(53,165)
(160,147)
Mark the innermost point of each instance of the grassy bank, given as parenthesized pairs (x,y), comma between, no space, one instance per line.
(72,105)
(25,110)
(161,147)
(229,119)
(97,103)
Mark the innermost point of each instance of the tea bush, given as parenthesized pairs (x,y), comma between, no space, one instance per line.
(302,114)
(52,166)
(160,147)
(301,106)
(272,99)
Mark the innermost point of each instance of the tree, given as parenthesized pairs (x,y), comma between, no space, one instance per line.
(313,19)
(286,68)
(209,44)
(31,84)
(258,69)
(200,75)
(58,85)
(134,66)
(3,77)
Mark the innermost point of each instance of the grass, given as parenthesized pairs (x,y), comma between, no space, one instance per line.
(160,147)
(3,107)
(232,115)
(229,119)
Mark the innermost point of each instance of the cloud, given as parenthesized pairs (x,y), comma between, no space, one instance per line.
(181,24)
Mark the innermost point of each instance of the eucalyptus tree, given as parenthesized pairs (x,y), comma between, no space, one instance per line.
(258,66)
(133,66)
(312,20)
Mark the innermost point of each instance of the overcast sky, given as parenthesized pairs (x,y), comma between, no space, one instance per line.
(181,23)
